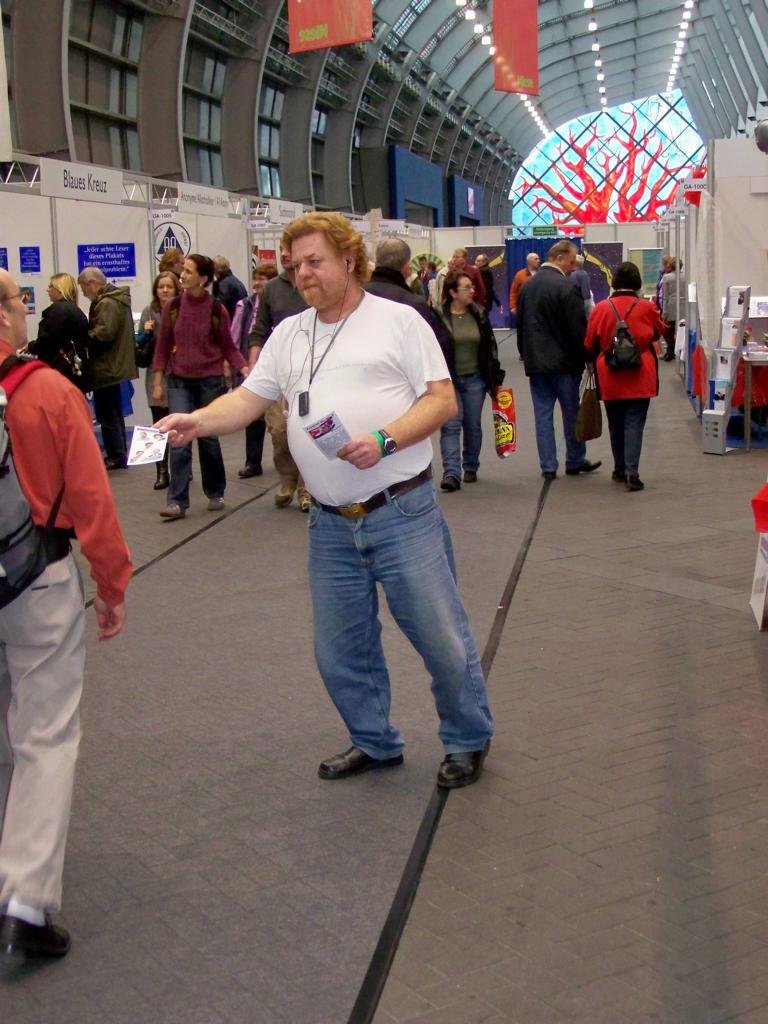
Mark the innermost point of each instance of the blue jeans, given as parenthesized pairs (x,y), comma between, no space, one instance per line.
(185,394)
(470,395)
(546,389)
(405,546)
(626,422)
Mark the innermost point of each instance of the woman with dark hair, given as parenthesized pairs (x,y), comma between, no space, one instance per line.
(192,347)
(62,337)
(476,359)
(627,393)
(164,288)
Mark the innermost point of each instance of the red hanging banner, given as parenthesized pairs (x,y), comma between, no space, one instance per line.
(516,38)
(320,24)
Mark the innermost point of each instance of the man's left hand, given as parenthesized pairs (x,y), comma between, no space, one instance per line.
(362,452)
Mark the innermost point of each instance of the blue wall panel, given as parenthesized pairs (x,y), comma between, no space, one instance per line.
(415,180)
(459,190)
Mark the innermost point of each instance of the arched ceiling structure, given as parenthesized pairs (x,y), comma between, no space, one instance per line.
(723,72)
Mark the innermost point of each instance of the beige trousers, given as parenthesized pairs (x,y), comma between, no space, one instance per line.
(42,659)
(290,478)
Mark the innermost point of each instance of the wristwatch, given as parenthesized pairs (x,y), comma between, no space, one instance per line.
(387,443)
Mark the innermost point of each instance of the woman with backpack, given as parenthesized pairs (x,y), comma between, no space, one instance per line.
(62,337)
(164,288)
(621,333)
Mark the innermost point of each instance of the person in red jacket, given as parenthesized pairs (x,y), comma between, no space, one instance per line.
(42,638)
(627,393)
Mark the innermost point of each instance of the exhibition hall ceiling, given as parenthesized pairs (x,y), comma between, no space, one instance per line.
(720,45)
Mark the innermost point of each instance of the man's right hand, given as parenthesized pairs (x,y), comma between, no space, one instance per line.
(111,618)
(181,428)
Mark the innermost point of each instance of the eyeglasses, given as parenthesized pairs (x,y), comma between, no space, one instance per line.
(8,298)
(465,288)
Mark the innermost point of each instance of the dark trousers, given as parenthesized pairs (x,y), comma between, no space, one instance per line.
(185,394)
(626,422)
(254,442)
(109,413)
(158,412)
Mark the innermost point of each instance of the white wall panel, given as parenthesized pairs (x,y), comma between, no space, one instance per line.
(26,220)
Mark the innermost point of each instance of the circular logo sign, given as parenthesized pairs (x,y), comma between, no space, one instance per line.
(171,235)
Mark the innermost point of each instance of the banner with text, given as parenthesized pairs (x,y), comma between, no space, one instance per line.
(80,181)
(516,38)
(320,24)
(199,199)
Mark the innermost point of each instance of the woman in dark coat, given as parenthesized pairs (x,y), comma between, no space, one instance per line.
(62,337)
(627,393)
(476,362)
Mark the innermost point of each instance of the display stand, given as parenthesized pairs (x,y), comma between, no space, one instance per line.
(723,369)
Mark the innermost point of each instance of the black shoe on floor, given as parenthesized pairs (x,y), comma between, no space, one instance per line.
(18,937)
(462,769)
(450,483)
(634,483)
(163,481)
(619,476)
(354,762)
(248,471)
(111,463)
(549,474)
(585,467)
(470,476)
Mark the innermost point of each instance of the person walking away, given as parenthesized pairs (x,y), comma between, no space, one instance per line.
(63,480)
(242,325)
(227,288)
(551,326)
(62,335)
(165,287)
(672,311)
(193,344)
(524,275)
(279,299)
(375,518)
(477,372)
(112,346)
(627,393)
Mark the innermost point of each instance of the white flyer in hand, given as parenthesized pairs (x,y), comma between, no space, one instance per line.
(329,434)
(147,445)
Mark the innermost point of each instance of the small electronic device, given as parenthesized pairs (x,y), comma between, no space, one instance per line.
(303,403)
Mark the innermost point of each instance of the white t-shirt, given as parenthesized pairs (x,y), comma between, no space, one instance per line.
(382,359)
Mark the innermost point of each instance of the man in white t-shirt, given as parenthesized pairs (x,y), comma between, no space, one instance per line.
(366,385)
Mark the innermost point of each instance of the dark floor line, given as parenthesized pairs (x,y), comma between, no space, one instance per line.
(193,536)
(377,974)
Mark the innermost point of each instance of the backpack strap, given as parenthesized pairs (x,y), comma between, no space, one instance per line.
(14,371)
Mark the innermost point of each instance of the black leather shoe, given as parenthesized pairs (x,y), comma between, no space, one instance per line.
(111,463)
(585,467)
(354,762)
(619,476)
(634,483)
(462,769)
(18,937)
(163,481)
(450,483)
(248,471)
(549,474)
(470,476)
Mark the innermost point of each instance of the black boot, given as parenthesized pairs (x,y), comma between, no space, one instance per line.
(163,479)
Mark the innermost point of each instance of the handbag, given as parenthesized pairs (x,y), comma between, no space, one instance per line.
(145,353)
(589,418)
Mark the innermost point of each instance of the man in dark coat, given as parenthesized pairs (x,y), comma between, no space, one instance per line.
(227,288)
(393,264)
(551,325)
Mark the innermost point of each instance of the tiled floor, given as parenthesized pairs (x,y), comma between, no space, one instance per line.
(610,866)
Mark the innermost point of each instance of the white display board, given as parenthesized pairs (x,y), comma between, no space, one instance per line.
(26,221)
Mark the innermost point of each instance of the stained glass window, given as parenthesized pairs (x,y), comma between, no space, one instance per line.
(616,165)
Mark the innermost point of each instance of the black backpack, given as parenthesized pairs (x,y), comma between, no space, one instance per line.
(623,352)
(26,549)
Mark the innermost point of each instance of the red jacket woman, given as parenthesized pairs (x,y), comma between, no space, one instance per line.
(626,393)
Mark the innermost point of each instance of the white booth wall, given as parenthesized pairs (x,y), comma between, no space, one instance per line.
(740,176)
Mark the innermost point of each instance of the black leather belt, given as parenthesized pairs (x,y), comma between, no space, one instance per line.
(362,508)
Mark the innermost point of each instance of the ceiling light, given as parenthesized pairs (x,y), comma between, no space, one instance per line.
(601,89)
(492,50)
(688,4)
(592,26)
(589,4)
(682,33)
(598,63)
(486,40)
(479,29)
(469,14)
(600,77)
(603,100)
(686,15)
(595,47)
